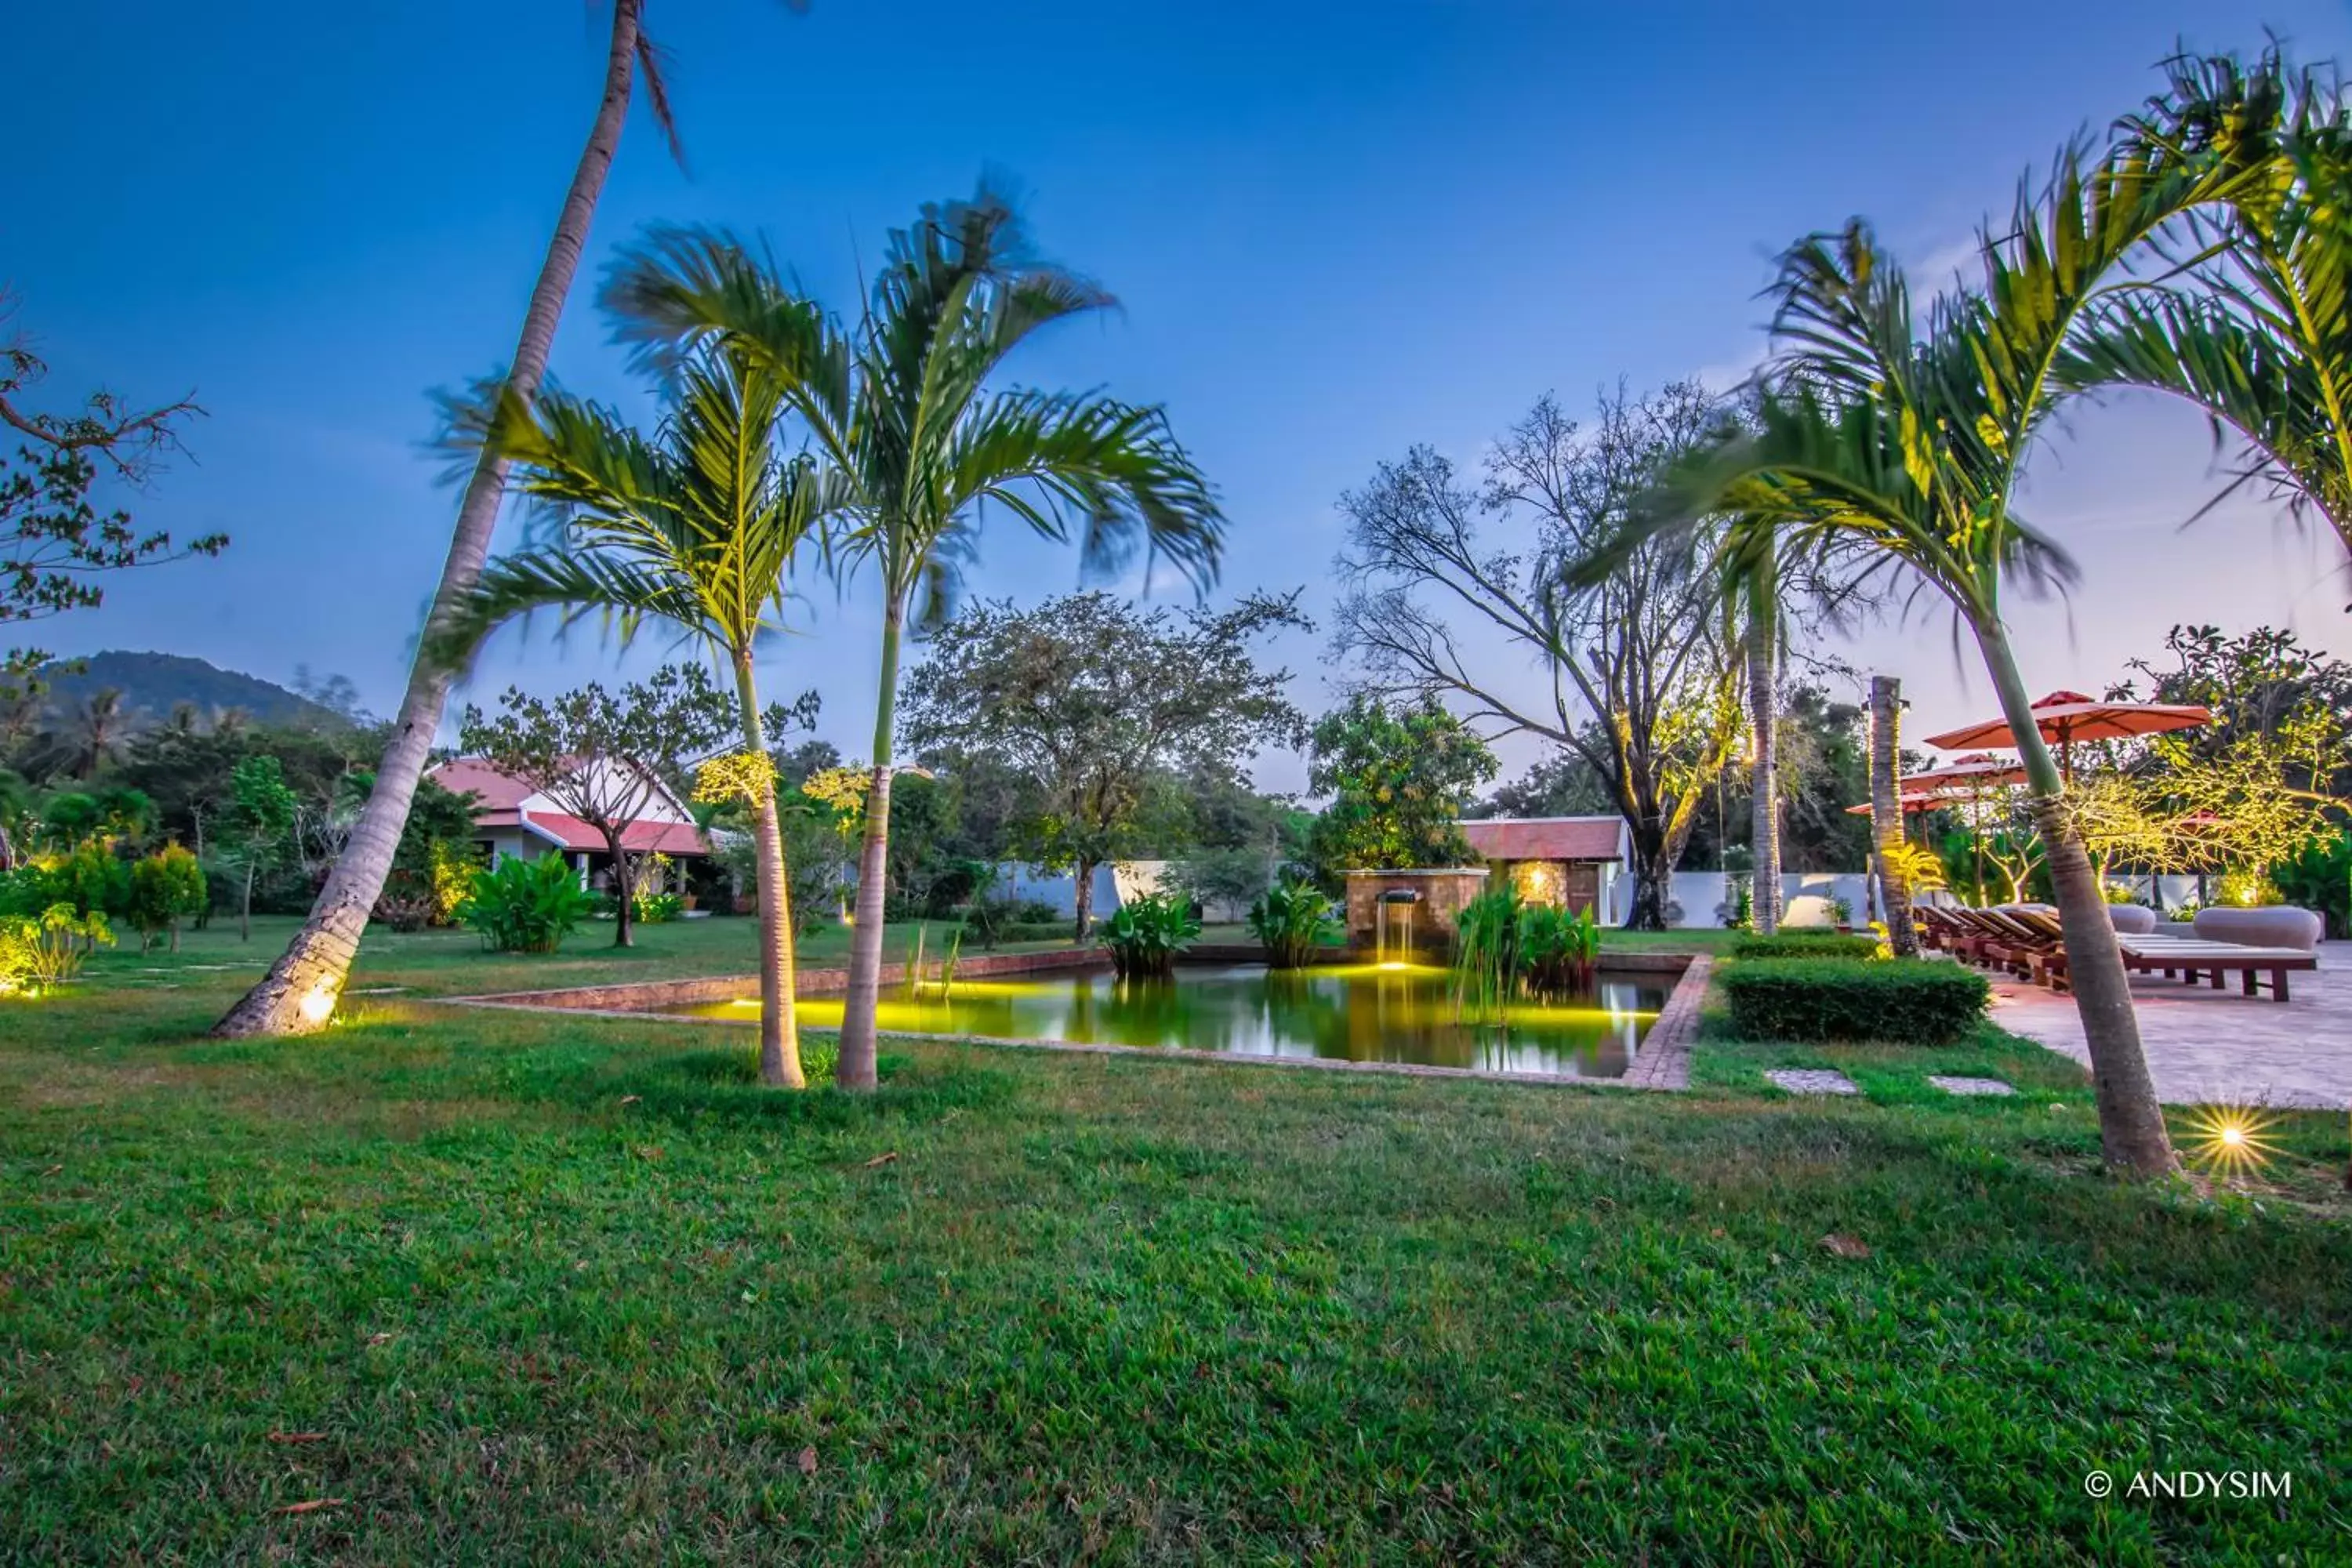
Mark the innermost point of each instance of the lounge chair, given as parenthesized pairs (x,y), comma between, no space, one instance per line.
(2186,959)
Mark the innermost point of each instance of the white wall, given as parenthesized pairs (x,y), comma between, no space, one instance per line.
(1805,897)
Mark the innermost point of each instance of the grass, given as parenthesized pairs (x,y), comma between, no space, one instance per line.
(509,1287)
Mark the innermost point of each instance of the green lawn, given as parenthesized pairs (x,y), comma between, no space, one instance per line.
(512,1288)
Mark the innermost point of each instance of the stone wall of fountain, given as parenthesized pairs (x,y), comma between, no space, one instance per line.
(1409,913)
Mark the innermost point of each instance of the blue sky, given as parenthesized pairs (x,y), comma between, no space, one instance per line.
(1336,229)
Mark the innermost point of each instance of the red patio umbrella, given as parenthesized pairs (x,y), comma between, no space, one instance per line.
(2066,717)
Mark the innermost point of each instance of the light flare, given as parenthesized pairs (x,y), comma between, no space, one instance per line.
(2231,1140)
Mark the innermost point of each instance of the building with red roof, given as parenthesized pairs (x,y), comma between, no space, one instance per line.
(513,820)
(1570,860)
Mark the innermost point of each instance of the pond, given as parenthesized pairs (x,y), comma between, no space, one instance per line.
(1357,1012)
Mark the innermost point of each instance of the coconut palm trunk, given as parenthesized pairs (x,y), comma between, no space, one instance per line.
(299,993)
(1886,813)
(2131,1124)
(1764,800)
(778,1023)
(857,1067)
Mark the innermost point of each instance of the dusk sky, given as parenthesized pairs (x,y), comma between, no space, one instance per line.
(1336,229)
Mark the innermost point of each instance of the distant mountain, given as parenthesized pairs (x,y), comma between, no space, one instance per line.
(153,684)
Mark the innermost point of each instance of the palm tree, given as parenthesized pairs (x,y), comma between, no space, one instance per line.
(1910,442)
(2251,315)
(901,405)
(299,992)
(695,527)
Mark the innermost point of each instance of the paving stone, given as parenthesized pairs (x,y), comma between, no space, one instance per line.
(2206,1046)
(1808,1080)
(1970,1085)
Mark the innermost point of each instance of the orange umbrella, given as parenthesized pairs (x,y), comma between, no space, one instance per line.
(2066,717)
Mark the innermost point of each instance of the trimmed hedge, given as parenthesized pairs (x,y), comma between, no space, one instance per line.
(1806,944)
(1911,1002)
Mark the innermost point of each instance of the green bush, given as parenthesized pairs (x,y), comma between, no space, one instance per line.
(659,908)
(1805,944)
(1292,919)
(166,888)
(1917,1001)
(1146,934)
(526,906)
(44,951)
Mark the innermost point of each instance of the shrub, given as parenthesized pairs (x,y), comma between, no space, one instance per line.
(526,906)
(1557,948)
(1292,919)
(166,888)
(40,951)
(1805,943)
(1146,934)
(659,908)
(1910,1002)
(32,888)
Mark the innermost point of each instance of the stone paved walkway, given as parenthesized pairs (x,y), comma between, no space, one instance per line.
(1991,1086)
(2206,1046)
(1812,1080)
(1663,1061)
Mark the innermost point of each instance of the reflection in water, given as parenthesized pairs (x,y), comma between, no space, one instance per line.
(1389,1012)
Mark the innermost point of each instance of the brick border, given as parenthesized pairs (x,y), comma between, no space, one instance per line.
(1662,1062)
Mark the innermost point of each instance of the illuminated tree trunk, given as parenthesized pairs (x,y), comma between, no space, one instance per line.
(2132,1136)
(299,992)
(1886,812)
(856,1068)
(1084,900)
(780,1036)
(1764,798)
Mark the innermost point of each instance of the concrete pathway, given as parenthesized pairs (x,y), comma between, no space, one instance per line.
(1812,1080)
(2207,1046)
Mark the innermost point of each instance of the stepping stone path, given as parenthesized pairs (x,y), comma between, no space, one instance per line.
(1970,1085)
(1808,1080)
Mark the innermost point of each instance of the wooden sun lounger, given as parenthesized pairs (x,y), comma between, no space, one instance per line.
(2190,960)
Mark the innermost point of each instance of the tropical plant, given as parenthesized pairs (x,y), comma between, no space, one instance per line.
(1557,950)
(1909,438)
(41,952)
(166,888)
(2319,877)
(1292,919)
(901,405)
(658,908)
(526,906)
(1916,868)
(2249,313)
(1145,935)
(299,991)
(695,528)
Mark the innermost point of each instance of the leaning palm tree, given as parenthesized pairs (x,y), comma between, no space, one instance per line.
(901,404)
(695,527)
(2248,308)
(299,992)
(1909,438)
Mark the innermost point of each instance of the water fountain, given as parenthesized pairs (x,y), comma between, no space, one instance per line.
(1393,913)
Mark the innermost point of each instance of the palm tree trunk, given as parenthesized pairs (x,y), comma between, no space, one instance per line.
(299,991)
(1764,799)
(2132,1136)
(855,1067)
(245,909)
(625,924)
(1886,812)
(780,1035)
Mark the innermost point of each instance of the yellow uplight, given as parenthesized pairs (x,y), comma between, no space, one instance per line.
(2230,1139)
(319,1004)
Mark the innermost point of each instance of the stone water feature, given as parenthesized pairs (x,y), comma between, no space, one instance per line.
(1403,915)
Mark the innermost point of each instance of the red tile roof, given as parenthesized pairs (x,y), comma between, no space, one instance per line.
(471,775)
(639,838)
(1545,837)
